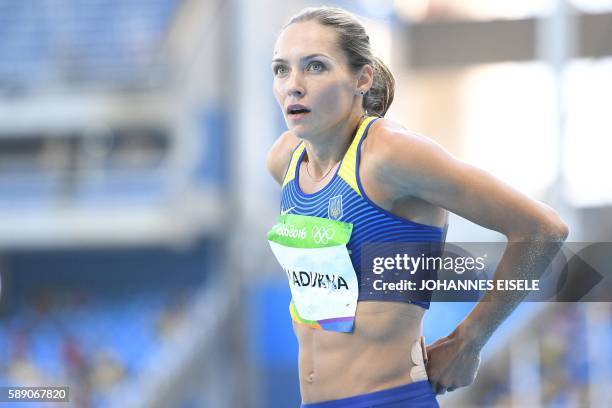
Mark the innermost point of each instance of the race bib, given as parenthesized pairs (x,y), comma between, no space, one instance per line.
(312,251)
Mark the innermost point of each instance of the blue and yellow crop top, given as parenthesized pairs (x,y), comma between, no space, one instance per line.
(344,199)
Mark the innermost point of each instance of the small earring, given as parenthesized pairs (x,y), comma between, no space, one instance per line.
(361,92)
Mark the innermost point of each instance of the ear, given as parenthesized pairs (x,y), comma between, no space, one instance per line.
(365,77)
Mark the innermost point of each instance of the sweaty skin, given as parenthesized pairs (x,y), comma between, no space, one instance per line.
(414,178)
(385,349)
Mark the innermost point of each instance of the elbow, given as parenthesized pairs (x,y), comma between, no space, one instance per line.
(553,228)
(556,231)
(549,228)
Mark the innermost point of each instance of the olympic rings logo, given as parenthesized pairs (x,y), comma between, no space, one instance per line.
(322,235)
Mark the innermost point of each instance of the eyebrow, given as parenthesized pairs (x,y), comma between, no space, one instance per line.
(303,59)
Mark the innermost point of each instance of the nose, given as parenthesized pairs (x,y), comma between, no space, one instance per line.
(295,86)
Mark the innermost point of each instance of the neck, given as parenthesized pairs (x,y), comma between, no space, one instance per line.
(324,151)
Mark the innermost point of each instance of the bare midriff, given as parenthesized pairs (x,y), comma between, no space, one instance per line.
(375,356)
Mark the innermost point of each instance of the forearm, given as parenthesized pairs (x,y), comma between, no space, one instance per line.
(521,260)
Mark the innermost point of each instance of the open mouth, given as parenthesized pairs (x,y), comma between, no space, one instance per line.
(296,111)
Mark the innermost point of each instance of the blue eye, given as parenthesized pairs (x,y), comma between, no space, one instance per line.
(315,66)
(280,69)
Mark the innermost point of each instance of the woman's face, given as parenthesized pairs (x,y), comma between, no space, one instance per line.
(313,83)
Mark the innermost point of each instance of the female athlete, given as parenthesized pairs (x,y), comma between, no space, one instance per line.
(349,177)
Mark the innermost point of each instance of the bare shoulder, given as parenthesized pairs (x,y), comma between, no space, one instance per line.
(279,155)
(393,152)
(386,136)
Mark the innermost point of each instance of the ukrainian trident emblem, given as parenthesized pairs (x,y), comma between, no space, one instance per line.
(334,210)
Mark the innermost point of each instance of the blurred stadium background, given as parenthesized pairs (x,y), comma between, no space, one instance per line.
(134,199)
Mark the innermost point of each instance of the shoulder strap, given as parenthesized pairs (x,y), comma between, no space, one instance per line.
(348,170)
(295,156)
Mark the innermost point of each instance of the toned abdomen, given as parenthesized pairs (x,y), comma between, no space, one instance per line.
(375,356)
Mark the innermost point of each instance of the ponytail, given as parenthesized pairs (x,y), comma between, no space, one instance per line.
(378,99)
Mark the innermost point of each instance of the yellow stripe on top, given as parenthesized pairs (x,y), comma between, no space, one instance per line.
(347,170)
(293,163)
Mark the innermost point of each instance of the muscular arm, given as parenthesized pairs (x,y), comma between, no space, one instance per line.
(412,165)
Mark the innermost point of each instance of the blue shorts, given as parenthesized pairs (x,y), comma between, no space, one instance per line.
(414,395)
